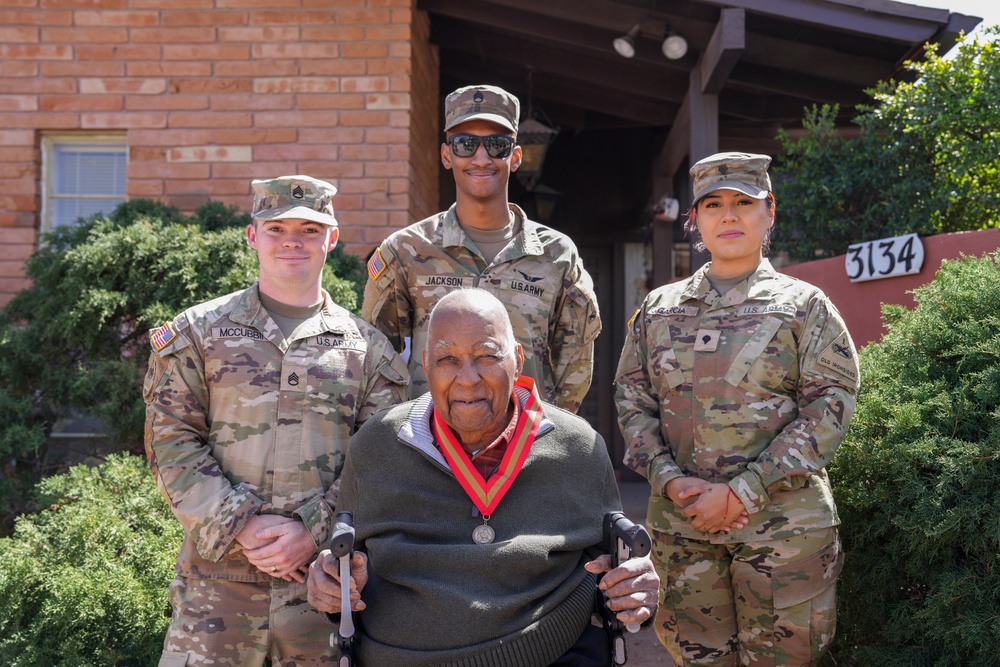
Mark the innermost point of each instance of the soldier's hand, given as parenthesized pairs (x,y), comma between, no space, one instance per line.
(684,490)
(248,536)
(708,512)
(632,588)
(324,582)
(288,548)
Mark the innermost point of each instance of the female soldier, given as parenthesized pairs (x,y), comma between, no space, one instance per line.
(734,389)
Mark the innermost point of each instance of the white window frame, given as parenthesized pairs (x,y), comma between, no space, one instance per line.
(83,140)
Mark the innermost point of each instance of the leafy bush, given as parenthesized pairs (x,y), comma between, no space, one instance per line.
(76,341)
(917,478)
(926,160)
(84,580)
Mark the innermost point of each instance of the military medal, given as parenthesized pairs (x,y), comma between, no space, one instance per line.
(486,495)
(483,534)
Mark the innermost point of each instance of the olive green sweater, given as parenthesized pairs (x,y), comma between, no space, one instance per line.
(434,596)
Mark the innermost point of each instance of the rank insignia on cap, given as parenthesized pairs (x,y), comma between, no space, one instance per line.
(163,337)
(376,265)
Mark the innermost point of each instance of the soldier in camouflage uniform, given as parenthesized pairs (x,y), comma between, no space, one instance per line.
(734,389)
(251,400)
(484,241)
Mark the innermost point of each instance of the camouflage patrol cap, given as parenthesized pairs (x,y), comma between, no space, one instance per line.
(301,197)
(483,103)
(743,172)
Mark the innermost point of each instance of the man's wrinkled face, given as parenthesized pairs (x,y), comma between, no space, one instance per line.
(471,363)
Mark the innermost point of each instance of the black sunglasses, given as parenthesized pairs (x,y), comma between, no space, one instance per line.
(498,146)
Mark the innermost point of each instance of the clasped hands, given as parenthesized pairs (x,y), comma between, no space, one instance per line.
(711,507)
(278,546)
(632,588)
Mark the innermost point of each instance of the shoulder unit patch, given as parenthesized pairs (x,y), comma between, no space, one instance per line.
(163,337)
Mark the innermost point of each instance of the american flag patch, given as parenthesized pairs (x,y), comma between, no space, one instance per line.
(376,265)
(163,337)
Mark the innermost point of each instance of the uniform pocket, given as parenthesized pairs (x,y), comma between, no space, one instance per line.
(803,580)
(765,360)
(172,659)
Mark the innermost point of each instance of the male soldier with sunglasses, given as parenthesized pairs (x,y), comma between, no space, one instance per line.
(485,241)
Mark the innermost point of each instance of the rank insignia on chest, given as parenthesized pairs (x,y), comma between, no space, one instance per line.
(706,340)
(163,337)
(376,265)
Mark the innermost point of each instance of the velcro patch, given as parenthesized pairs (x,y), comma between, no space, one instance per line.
(376,265)
(839,357)
(163,336)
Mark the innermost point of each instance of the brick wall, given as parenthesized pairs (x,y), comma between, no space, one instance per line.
(214,93)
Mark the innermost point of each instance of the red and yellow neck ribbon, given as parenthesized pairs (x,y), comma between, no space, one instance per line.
(487,494)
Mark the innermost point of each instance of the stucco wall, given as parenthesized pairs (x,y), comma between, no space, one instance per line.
(861,303)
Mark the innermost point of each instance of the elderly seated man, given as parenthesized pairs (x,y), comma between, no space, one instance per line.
(480,510)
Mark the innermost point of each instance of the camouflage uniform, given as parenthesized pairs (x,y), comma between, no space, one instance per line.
(239,422)
(539,277)
(754,388)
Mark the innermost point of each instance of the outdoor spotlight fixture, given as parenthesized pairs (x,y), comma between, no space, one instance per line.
(625,45)
(674,46)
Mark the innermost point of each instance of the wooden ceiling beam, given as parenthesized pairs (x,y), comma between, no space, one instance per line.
(723,51)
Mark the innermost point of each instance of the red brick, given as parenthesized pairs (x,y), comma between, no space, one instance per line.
(213,18)
(401,50)
(388,101)
(294,152)
(126,86)
(362,153)
(171,69)
(333,34)
(206,52)
(404,16)
(364,119)
(363,16)
(332,170)
(303,51)
(279,17)
(18,68)
(169,138)
(11,252)
(210,154)
(257,68)
(295,119)
(260,3)
(106,69)
(210,120)
(165,171)
(18,103)
(364,84)
(359,186)
(386,169)
(207,187)
(261,34)
(340,3)
(124,53)
(365,50)
(16,138)
(114,121)
(143,188)
(37,86)
(211,86)
(81,103)
(18,199)
(18,35)
(389,66)
(388,33)
(39,52)
(272,85)
(76,35)
(338,67)
(167,103)
(144,154)
(113,18)
(337,136)
(15,17)
(255,137)
(383,135)
(244,170)
(84,4)
(160,35)
(173,4)
(307,102)
(252,102)
(400,119)
(42,121)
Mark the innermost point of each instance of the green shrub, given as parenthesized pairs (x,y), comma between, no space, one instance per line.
(84,580)
(917,481)
(75,342)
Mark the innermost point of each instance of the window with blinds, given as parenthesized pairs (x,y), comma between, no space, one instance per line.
(84,175)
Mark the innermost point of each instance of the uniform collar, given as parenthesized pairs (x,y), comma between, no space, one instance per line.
(250,311)
(525,243)
(759,286)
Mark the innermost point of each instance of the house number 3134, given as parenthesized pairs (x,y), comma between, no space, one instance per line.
(885,258)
